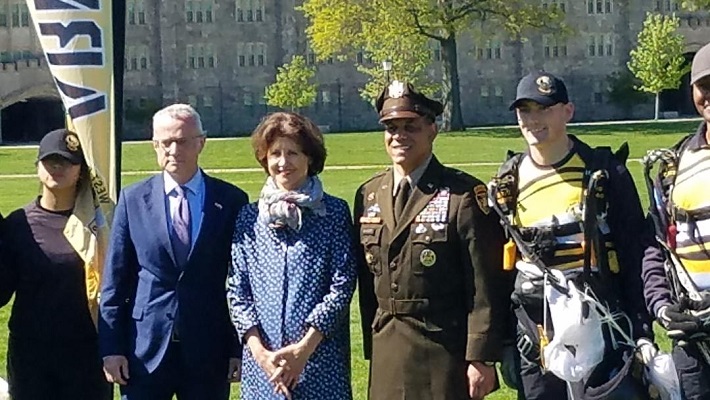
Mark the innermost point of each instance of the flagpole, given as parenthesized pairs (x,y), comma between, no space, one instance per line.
(119,48)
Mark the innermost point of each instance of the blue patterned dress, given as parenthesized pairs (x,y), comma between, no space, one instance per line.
(284,282)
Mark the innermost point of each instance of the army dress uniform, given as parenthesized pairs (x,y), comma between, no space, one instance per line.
(426,305)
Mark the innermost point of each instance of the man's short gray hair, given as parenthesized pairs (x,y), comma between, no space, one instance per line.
(180,112)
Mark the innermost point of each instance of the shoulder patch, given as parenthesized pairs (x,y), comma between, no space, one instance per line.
(481,193)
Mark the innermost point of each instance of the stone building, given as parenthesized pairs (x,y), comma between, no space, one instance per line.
(219,55)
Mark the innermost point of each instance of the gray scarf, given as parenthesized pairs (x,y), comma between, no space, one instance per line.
(280,208)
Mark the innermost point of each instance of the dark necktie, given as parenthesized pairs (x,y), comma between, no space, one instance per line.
(181,227)
(401,198)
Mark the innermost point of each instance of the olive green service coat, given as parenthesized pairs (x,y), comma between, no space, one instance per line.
(426,298)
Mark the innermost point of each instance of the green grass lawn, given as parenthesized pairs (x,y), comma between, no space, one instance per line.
(364,149)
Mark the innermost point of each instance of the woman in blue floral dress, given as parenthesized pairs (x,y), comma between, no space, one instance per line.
(293,272)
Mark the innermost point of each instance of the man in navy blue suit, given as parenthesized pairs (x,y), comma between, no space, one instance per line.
(164,327)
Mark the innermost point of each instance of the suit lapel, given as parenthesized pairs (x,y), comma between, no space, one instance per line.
(385,201)
(425,190)
(211,212)
(157,213)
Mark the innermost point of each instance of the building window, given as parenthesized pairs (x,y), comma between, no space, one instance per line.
(311,58)
(252,54)
(15,15)
(3,15)
(248,99)
(325,96)
(600,7)
(131,12)
(209,54)
(201,56)
(208,12)
(144,57)
(609,42)
(555,4)
(191,62)
(24,15)
(490,49)
(600,45)
(207,101)
(189,11)
(554,47)
(591,46)
(192,99)
(199,11)
(249,10)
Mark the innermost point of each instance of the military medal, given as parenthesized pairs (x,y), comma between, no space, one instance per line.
(437,210)
(373,210)
(438,227)
(369,257)
(370,196)
(420,229)
(372,215)
(427,257)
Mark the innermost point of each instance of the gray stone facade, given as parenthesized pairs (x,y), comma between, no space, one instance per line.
(220,55)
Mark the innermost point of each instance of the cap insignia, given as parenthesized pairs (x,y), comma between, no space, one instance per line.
(544,85)
(396,89)
(72,142)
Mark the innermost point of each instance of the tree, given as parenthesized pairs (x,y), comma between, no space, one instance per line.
(695,5)
(294,88)
(657,61)
(401,30)
(622,90)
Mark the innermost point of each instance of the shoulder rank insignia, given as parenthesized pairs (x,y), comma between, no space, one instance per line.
(481,193)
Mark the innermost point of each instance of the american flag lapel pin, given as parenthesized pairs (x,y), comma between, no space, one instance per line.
(219,206)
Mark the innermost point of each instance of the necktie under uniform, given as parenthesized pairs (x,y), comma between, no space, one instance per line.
(400,200)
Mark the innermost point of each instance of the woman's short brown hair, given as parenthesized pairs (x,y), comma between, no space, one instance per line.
(292,126)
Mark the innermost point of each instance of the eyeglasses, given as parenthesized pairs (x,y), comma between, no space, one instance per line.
(167,144)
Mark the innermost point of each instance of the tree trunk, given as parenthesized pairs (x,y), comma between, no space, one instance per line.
(658,106)
(452,119)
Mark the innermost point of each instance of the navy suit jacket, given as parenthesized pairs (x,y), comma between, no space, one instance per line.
(144,292)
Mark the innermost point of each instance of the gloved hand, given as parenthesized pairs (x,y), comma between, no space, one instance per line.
(686,320)
(646,349)
(698,307)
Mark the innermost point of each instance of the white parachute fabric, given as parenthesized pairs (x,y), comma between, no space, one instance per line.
(661,372)
(578,343)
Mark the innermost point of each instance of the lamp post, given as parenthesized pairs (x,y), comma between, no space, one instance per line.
(387,67)
(340,105)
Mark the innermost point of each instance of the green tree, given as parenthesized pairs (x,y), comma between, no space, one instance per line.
(695,5)
(294,87)
(657,61)
(622,90)
(401,29)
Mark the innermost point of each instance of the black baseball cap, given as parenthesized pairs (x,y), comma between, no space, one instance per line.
(61,142)
(542,88)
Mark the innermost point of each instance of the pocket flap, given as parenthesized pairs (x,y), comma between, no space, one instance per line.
(370,234)
(425,233)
